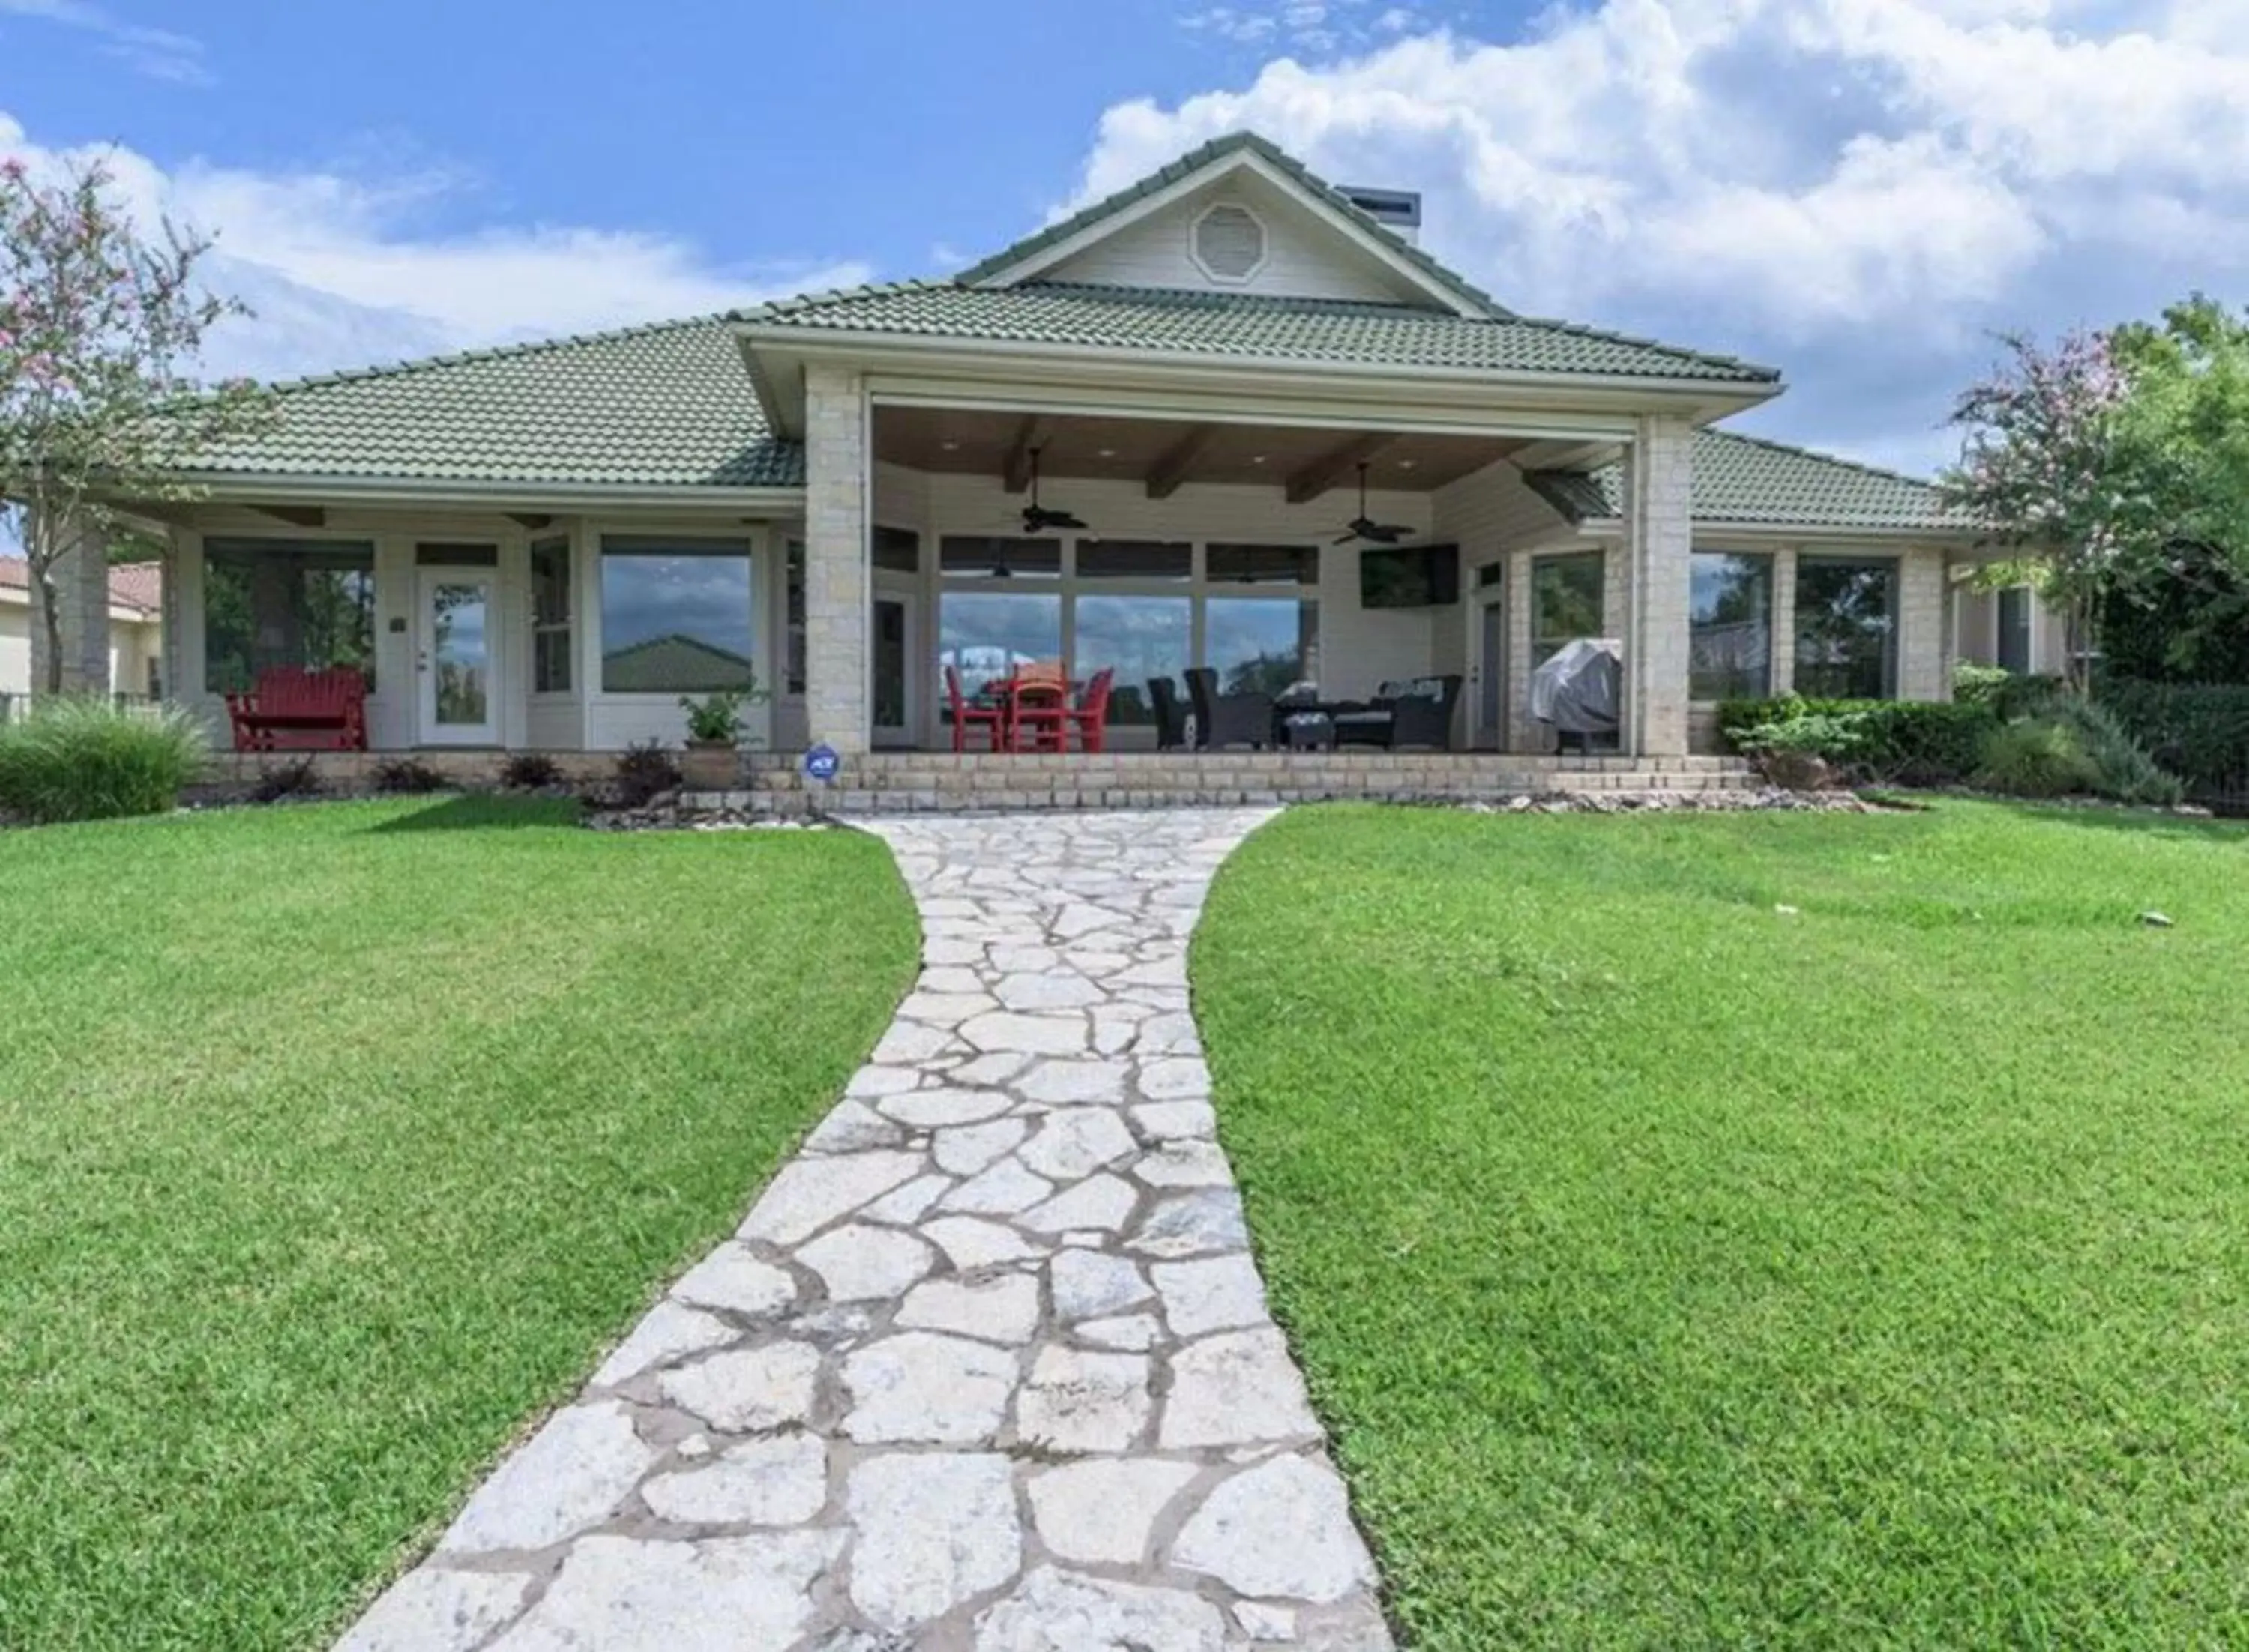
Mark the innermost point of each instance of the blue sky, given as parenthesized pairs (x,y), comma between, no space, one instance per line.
(1857,190)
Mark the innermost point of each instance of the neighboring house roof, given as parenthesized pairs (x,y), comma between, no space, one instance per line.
(1196,160)
(1755,482)
(138,586)
(669,664)
(1176,320)
(668,404)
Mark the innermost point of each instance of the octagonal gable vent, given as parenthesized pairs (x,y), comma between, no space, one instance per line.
(1229,242)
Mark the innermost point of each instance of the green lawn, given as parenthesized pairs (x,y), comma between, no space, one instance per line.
(1680,1272)
(336,1141)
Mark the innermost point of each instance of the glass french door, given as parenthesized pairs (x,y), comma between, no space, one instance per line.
(455,657)
(1491,675)
(896,682)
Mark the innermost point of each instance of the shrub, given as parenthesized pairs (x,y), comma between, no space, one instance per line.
(1974,684)
(2040,757)
(645,770)
(715,717)
(529,772)
(2198,731)
(81,757)
(2126,771)
(407,774)
(297,778)
(1913,742)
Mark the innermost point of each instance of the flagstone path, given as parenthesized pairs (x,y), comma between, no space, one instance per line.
(988,1369)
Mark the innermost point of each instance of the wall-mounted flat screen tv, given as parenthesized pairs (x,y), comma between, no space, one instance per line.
(1416,576)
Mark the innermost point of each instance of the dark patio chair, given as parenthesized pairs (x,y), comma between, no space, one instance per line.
(1418,712)
(1171,715)
(1228,719)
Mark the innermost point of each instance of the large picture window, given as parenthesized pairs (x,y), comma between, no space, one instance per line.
(986,635)
(1258,644)
(1846,627)
(1565,602)
(285,602)
(1729,634)
(1138,637)
(678,616)
(550,616)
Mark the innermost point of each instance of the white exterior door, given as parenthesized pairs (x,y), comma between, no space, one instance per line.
(1491,673)
(456,659)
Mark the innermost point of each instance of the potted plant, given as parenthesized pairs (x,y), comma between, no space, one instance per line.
(713,759)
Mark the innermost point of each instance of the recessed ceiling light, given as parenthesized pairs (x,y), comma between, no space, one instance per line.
(1106,453)
(1256,458)
(1407,464)
(950,447)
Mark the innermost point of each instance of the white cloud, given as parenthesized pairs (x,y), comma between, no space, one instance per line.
(161,54)
(341,273)
(1857,189)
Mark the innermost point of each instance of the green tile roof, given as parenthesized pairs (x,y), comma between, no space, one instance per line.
(1240,324)
(1743,479)
(1194,161)
(665,405)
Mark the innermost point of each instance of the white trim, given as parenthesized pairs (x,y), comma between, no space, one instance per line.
(1100,229)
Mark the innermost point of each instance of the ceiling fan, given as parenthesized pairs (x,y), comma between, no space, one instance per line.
(1363,526)
(1036,517)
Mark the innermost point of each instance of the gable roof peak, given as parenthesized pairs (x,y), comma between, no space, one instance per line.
(1210,158)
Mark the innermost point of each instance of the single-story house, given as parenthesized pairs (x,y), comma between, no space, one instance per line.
(1214,373)
(135,602)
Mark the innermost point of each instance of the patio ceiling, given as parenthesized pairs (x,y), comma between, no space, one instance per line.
(1165,454)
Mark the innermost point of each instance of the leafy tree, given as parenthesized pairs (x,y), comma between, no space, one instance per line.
(99,330)
(2184,431)
(2040,468)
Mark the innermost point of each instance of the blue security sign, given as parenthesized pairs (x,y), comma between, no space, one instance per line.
(822,762)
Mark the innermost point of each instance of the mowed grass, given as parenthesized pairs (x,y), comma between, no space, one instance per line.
(336,1142)
(1680,1272)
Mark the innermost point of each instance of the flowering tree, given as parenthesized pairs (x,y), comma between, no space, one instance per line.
(2041,468)
(98,333)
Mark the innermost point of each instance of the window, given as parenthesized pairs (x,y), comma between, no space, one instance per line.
(2015,628)
(1565,602)
(1264,564)
(983,635)
(1138,637)
(678,616)
(1729,634)
(550,616)
(1257,644)
(793,615)
(1133,559)
(897,550)
(1489,574)
(997,558)
(1845,627)
(276,602)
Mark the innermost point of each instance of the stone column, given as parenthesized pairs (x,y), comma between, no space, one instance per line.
(1924,670)
(1659,544)
(81,580)
(836,590)
(1784,622)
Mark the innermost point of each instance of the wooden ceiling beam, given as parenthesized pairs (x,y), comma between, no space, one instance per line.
(297,516)
(1336,465)
(1166,475)
(1030,437)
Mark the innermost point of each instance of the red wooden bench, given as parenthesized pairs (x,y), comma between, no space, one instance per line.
(294,710)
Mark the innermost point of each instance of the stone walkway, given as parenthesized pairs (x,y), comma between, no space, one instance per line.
(987,1370)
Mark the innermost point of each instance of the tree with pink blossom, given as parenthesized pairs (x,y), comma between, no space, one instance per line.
(100,328)
(2043,468)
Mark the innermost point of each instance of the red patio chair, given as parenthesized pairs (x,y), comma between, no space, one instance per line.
(1038,707)
(1090,714)
(992,719)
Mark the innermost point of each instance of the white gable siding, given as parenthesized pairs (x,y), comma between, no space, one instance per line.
(1304,258)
